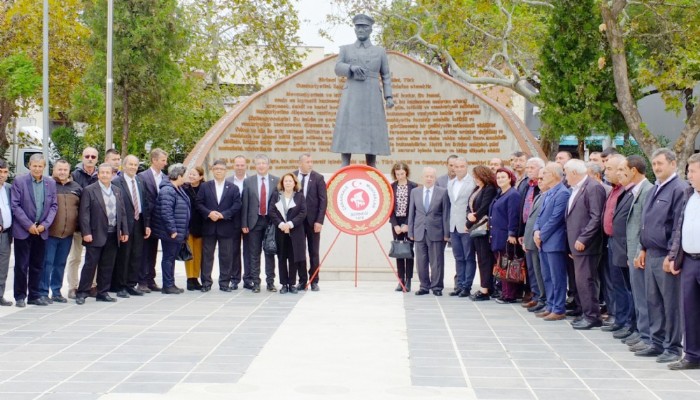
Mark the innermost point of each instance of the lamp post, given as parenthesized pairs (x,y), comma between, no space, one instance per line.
(110,81)
(45,83)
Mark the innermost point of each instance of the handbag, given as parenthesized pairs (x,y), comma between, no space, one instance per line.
(500,267)
(516,271)
(401,249)
(185,252)
(480,229)
(269,241)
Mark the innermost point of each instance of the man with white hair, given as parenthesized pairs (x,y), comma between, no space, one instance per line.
(583,229)
(529,190)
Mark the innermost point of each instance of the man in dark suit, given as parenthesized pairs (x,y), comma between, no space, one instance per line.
(550,238)
(583,229)
(429,228)
(240,270)
(661,213)
(615,228)
(5,229)
(103,225)
(219,203)
(684,259)
(151,179)
(257,191)
(34,206)
(125,277)
(314,187)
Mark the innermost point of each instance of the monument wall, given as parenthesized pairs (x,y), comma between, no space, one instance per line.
(434,116)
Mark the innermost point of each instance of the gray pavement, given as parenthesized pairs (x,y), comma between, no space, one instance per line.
(344,342)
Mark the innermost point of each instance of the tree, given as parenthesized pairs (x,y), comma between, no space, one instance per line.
(18,80)
(149,40)
(662,42)
(576,93)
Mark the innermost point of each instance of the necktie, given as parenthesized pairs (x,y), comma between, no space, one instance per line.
(111,211)
(303,183)
(135,200)
(426,201)
(263,198)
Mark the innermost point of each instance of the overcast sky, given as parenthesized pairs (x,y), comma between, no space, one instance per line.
(315,12)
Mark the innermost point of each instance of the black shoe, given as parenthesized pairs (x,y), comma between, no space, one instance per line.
(181,290)
(234,286)
(20,303)
(505,301)
(5,303)
(59,299)
(47,299)
(143,288)
(155,288)
(271,288)
(106,298)
(573,313)
(609,322)
(465,293)
(683,364)
(422,292)
(225,288)
(437,292)
(622,333)
(170,290)
(133,291)
(205,288)
(407,284)
(79,299)
(284,289)
(455,292)
(314,287)
(190,284)
(649,351)
(638,347)
(632,339)
(39,301)
(248,286)
(301,287)
(585,324)
(293,289)
(123,294)
(256,288)
(480,296)
(611,328)
(536,308)
(667,357)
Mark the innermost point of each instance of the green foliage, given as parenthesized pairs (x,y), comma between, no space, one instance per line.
(578,92)
(68,144)
(18,80)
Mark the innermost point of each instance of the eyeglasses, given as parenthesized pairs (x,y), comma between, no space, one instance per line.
(90,157)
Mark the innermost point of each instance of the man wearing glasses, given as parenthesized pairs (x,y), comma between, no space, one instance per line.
(85,174)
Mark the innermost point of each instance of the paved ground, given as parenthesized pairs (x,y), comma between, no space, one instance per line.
(340,343)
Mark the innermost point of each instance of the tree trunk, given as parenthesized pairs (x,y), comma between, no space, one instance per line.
(125,124)
(581,149)
(685,145)
(550,148)
(7,110)
(625,101)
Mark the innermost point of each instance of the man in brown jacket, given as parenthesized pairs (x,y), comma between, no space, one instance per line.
(60,232)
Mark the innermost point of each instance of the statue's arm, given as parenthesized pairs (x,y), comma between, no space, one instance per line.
(386,75)
(342,68)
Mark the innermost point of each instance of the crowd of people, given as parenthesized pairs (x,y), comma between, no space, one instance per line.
(118,217)
(601,243)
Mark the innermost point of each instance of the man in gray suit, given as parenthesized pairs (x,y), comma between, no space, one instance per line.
(257,190)
(360,125)
(532,252)
(585,237)
(5,229)
(632,171)
(459,190)
(428,227)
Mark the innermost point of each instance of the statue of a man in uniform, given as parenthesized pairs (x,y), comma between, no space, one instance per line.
(360,126)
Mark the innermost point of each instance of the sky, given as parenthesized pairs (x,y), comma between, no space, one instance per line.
(312,14)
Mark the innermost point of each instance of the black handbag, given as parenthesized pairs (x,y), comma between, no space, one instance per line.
(401,249)
(481,228)
(185,253)
(269,242)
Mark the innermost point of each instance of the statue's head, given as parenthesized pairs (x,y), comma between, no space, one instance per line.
(363,26)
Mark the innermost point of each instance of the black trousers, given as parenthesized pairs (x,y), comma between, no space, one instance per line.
(147,274)
(404,266)
(99,260)
(240,270)
(226,253)
(287,267)
(29,266)
(313,243)
(127,268)
(255,240)
(485,261)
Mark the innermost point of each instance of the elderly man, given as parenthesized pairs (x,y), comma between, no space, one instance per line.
(583,229)
(529,190)
(459,190)
(360,125)
(661,213)
(495,163)
(428,227)
(34,206)
(532,253)
(103,225)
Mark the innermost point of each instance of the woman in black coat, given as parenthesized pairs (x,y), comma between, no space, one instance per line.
(193,267)
(402,188)
(170,223)
(287,212)
(478,211)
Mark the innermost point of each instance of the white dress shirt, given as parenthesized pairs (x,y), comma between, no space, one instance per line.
(219,189)
(691,227)
(5,208)
(574,191)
